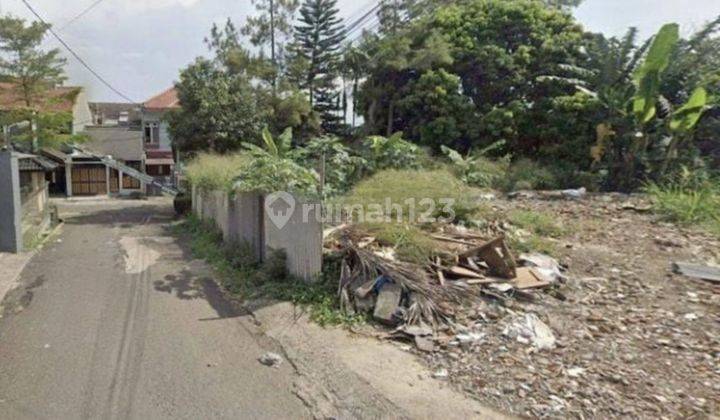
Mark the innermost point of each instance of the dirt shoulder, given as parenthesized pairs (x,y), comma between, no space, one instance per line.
(346,375)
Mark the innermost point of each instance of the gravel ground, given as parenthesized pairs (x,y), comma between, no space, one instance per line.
(632,338)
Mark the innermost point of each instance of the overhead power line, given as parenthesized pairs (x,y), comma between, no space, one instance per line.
(81,14)
(77,57)
(359,21)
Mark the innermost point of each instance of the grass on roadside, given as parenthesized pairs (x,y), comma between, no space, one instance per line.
(679,203)
(241,275)
(216,172)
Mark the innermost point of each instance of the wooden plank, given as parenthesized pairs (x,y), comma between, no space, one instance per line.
(704,272)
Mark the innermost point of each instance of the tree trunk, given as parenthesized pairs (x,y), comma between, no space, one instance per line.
(391,112)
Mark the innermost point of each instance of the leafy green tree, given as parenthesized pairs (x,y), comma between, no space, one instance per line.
(219,110)
(317,45)
(498,73)
(24,62)
(435,110)
(277,106)
(33,72)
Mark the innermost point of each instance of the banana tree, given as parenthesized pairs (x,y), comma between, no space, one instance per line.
(278,149)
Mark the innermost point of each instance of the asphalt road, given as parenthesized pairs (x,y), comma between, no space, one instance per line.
(114,320)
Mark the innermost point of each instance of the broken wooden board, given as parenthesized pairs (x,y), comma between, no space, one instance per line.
(463,272)
(497,256)
(704,272)
(529,278)
(481,281)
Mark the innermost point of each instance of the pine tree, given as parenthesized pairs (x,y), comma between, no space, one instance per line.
(318,40)
(272,27)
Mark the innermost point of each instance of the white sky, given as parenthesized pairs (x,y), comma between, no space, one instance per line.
(140,45)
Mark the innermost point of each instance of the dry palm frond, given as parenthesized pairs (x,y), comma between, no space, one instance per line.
(429,302)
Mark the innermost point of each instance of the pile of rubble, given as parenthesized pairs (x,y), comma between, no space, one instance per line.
(429,304)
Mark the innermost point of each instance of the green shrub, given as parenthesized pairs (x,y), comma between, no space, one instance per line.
(250,172)
(270,173)
(342,166)
(478,170)
(392,153)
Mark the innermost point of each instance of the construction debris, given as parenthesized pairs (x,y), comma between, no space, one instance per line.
(544,264)
(428,303)
(529,329)
(388,302)
(704,272)
(530,278)
(496,255)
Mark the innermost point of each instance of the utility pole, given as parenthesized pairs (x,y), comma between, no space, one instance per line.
(272,47)
(33,130)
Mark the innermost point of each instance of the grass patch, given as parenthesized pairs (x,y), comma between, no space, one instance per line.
(539,223)
(241,275)
(541,227)
(418,191)
(410,242)
(697,205)
(533,243)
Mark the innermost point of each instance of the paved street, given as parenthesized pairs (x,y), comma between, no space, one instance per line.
(108,323)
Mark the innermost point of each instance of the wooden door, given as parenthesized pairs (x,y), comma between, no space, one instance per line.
(114,181)
(89,180)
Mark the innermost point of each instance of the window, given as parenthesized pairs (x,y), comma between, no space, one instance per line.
(152,132)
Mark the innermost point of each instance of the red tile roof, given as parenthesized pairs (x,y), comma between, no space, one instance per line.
(163,101)
(58,99)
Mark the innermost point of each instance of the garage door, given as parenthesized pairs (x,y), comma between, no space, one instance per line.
(89,180)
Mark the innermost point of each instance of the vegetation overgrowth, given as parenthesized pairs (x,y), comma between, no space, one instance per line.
(546,105)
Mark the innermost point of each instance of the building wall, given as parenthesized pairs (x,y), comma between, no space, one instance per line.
(82,116)
(35,208)
(156,117)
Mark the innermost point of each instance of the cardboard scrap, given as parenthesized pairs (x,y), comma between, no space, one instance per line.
(529,278)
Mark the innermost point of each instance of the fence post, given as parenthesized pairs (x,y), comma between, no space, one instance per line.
(10,206)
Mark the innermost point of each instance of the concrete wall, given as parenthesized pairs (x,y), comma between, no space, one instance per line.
(10,207)
(82,116)
(245,220)
(300,237)
(242,218)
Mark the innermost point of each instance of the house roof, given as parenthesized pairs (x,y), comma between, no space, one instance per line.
(58,155)
(28,162)
(112,110)
(165,100)
(58,99)
(124,143)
